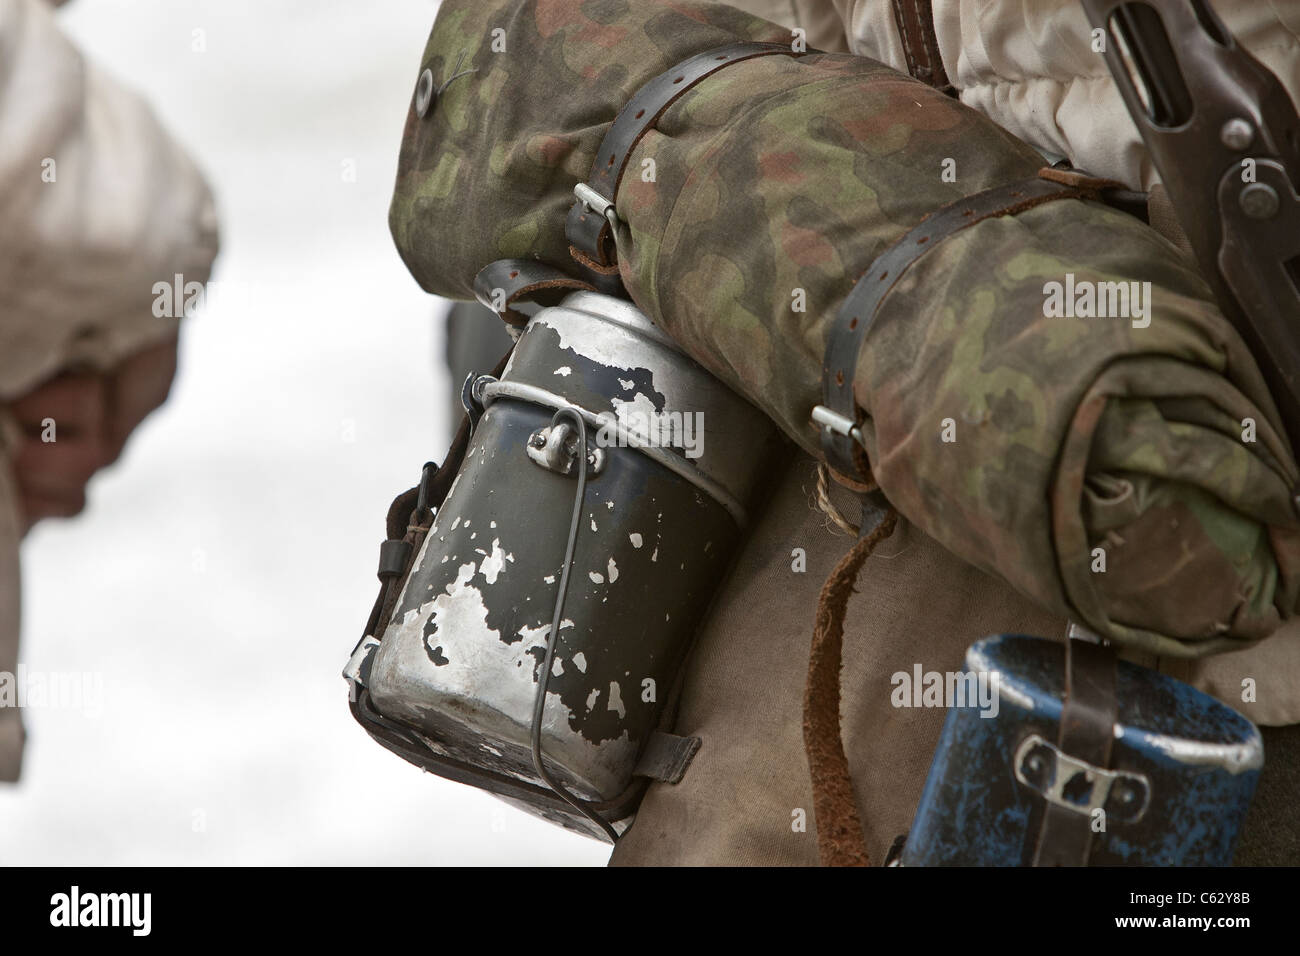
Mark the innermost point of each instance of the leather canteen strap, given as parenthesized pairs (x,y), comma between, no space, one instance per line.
(838,414)
(409,519)
(501,284)
(590,220)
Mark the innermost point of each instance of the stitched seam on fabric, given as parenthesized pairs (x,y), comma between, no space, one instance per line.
(900,24)
(928,65)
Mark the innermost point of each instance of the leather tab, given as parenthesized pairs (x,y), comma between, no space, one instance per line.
(393,555)
(588,229)
(591,241)
(666,757)
(501,284)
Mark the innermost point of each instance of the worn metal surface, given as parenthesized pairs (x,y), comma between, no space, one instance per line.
(1186,768)
(459,662)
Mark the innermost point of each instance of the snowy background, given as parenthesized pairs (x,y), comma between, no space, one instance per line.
(225,565)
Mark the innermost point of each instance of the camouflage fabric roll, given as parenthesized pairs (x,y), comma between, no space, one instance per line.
(488,172)
(1126,471)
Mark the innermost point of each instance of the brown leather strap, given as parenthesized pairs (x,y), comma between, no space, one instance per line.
(666,757)
(500,285)
(841,840)
(408,522)
(842,451)
(1087,733)
(915,22)
(589,229)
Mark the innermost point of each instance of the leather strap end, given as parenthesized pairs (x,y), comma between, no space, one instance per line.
(1078,179)
(588,232)
(501,284)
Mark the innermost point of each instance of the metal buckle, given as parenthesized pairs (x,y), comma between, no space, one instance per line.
(471,396)
(832,421)
(1079,786)
(1077,632)
(593,201)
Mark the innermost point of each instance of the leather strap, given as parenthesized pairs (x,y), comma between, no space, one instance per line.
(915,22)
(666,757)
(1087,733)
(841,840)
(408,521)
(842,449)
(589,230)
(500,285)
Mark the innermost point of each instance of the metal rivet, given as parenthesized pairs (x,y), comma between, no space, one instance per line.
(1259,201)
(1237,134)
(424,93)
(1035,769)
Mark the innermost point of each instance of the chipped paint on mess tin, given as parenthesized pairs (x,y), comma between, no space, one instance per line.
(461,657)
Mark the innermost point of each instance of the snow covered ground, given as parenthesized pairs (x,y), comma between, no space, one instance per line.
(221,574)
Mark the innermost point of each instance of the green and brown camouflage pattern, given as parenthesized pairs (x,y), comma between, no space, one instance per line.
(488,172)
(1083,433)
(782,178)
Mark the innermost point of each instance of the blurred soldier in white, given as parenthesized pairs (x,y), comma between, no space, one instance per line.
(98,205)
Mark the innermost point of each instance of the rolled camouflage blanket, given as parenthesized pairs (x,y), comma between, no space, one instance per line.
(1125,471)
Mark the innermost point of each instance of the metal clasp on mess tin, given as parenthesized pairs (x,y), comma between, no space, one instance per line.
(554,447)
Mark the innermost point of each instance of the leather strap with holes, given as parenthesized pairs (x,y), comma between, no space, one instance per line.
(588,230)
(859,309)
(501,284)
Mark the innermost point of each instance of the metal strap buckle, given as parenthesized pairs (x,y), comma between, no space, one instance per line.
(832,421)
(1078,785)
(593,201)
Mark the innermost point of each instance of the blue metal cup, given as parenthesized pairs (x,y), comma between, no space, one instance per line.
(1182,773)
